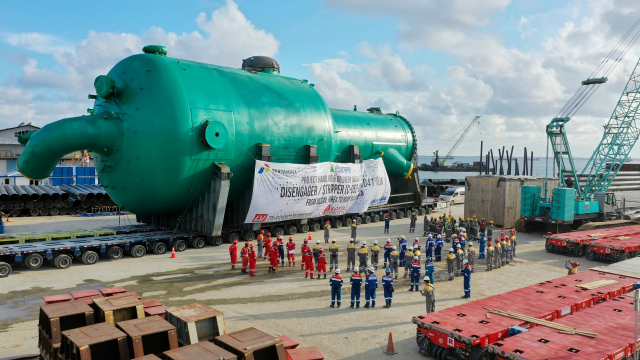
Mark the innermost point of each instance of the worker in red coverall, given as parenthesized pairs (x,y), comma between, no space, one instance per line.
(308,264)
(322,264)
(291,251)
(267,246)
(273,259)
(303,250)
(233,252)
(253,259)
(244,254)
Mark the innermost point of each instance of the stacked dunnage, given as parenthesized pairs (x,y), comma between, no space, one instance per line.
(113,324)
(43,200)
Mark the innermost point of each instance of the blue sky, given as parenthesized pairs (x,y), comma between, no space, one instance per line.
(514,62)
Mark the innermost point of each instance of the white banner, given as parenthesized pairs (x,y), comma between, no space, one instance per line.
(284,191)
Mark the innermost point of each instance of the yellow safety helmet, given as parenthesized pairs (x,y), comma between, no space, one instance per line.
(491,222)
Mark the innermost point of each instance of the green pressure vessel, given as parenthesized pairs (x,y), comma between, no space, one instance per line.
(159,124)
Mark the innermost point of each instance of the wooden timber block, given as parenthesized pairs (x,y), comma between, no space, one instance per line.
(117,308)
(156,310)
(48,351)
(58,317)
(149,335)
(52,299)
(202,350)
(150,303)
(85,293)
(128,293)
(252,344)
(288,342)
(309,353)
(89,300)
(196,322)
(112,291)
(101,341)
(148,357)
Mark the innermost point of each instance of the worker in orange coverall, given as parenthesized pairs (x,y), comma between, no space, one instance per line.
(267,246)
(244,254)
(273,259)
(233,252)
(322,264)
(303,250)
(253,259)
(291,252)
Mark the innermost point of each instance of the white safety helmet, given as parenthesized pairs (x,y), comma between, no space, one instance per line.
(410,248)
(402,237)
(355,269)
(371,269)
(439,236)
(470,243)
(429,236)
(318,241)
(465,261)
(354,221)
(415,258)
(388,240)
(417,238)
(333,240)
(394,247)
(364,243)
(351,240)
(426,278)
(458,245)
(375,242)
(337,271)
(451,249)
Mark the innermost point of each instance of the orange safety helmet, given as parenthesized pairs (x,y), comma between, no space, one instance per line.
(261,231)
(575,264)
(290,238)
(235,241)
(251,245)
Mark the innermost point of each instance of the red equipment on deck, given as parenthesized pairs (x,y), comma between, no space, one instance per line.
(618,248)
(574,242)
(466,329)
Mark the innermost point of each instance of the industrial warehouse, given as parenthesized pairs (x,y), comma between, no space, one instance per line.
(231,192)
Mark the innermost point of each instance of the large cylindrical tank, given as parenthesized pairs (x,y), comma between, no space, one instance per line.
(159,125)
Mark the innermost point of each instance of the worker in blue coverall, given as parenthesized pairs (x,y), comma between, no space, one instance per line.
(482,242)
(429,269)
(463,242)
(388,248)
(356,283)
(387,285)
(281,249)
(415,274)
(370,286)
(431,244)
(336,288)
(402,247)
(439,246)
(466,272)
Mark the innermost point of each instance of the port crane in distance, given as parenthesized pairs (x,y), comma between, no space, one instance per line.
(436,163)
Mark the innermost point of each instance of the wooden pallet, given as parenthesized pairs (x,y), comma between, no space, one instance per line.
(597,284)
(563,328)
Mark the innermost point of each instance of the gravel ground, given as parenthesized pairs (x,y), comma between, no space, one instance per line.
(281,304)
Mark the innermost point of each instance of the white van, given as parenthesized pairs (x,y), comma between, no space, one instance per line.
(454,195)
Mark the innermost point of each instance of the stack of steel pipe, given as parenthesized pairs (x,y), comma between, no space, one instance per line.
(34,200)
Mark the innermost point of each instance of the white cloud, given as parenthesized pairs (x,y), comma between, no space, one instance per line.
(337,92)
(225,39)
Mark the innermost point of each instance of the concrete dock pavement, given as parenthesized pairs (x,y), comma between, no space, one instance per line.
(284,303)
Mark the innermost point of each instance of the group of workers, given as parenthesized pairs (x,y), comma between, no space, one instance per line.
(460,260)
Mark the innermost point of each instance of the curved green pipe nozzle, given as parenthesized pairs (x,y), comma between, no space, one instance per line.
(23,139)
(396,164)
(45,147)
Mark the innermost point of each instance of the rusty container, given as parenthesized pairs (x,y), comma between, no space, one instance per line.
(101,341)
(58,317)
(196,322)
(118,308)
(149,335)
(200,351)
(252,344)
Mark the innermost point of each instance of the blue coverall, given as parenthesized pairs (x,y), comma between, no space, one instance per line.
(388,248)
(386,224)
(370,286)
(387,284)
(281,252)
(482,241)
(439,246)
(402,248)
(356,283)
(336,289)
(430,245)
(429,269)
(415,275)
(467,281)
(463,242)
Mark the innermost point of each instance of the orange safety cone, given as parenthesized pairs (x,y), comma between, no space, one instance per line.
(310,236)
(10,220)
(173,253)
(390,350)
